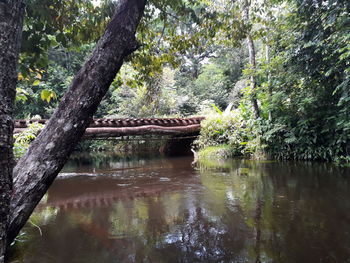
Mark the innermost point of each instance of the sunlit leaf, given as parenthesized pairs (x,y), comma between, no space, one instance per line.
(47,95)
(36,83)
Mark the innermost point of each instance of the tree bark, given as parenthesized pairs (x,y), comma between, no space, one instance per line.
(269,86)
(252,60)
(11,17)
(35,172)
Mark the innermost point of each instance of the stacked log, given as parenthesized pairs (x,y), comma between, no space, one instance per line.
(105,128)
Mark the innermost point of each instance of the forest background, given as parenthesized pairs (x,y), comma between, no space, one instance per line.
(272,77)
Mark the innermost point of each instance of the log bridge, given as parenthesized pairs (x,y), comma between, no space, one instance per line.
(113,128)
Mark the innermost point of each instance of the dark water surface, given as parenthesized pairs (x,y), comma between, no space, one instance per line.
(164,210)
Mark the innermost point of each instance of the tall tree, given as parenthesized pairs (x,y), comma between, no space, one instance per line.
(252,60)
(11,13)
(35,172)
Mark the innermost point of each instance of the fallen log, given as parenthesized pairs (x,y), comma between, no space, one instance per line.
(107,132)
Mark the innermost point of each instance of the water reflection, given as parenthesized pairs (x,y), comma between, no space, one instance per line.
(164,210)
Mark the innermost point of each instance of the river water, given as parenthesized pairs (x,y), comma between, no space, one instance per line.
(107,209)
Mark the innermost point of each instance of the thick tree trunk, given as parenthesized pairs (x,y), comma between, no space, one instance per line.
(252,61)
(11,16)
(35,172)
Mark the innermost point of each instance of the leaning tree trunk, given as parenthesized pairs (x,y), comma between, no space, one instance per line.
(11,14)
(35,172)
(252,60)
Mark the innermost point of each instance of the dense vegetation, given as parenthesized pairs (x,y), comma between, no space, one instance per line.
(278,72)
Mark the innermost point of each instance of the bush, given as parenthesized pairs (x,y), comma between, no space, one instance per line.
(225,128)
(216,152)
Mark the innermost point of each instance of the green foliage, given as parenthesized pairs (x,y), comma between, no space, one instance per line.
(228,129)
(211,85)
(343,161)
(21,95)
(96,146)
(303,87)
(127,99)
(22,140)
(199,83)
(54,23)
(40,97)
(193,55)
(47,94)
(171,31)
(222,151)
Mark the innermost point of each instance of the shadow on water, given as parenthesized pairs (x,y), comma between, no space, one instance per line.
(165,210)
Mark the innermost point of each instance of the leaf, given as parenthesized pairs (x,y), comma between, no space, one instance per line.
(39,76)
(36,83)
(20,76)
(47,95)
(21,95)
(216,109)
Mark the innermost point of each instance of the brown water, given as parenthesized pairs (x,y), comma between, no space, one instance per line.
(164,210)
